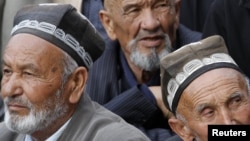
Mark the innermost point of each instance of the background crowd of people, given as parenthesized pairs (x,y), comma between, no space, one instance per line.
(126,79)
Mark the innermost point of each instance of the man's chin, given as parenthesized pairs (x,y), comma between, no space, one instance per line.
(22,124)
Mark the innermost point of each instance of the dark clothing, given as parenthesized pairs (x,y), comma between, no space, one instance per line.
(91,8)
(110,85)
(194,12)
(115,87)
(174,138)
(186,36)
(231,20)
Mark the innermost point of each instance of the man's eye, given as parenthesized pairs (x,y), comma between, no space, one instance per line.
(162,6)
(6,71)
(235,102)
(208,112)
(132,11)
(28,73)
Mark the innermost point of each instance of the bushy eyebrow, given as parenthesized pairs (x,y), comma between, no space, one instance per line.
(129,6)
(201,107)
(30,66)
(3,62)
(233,96)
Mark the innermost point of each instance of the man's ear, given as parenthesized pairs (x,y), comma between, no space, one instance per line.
(77,84)
(180,129)
(107,23)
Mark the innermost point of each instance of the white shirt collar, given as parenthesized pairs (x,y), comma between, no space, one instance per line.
(53,137)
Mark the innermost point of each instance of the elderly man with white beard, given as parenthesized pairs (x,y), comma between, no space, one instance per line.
(126,78)
(45,69)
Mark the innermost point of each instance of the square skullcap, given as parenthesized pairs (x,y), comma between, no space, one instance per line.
(181,67)
(63,26)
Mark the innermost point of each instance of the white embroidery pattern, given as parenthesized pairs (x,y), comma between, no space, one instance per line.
(191,67)
(58,33)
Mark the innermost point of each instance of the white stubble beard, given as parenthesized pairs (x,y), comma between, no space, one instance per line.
(36,120)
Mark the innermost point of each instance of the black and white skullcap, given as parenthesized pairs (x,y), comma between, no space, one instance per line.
(63,26)
(181,67)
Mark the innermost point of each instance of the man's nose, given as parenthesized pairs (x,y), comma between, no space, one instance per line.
(149,20)
(227,117)
(11,86)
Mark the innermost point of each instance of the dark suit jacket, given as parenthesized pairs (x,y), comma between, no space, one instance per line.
(106,87)
(1,110)
(194,12)
(90,122)
(174,138)
(231,20)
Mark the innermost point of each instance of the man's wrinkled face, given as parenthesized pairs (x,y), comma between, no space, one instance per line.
(145,29)
(32,84)
(220,96)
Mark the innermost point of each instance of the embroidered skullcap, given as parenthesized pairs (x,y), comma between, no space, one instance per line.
(63,26)
(181,67)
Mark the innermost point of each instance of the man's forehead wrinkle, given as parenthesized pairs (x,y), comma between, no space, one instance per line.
(137,2)
(20,62)
(185,104)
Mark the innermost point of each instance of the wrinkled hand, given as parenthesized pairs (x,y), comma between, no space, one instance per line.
(156,90)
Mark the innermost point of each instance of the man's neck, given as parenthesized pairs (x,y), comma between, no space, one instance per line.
(146,76)
(141,76)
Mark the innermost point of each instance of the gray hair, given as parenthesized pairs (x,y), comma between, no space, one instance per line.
(69,65)
(248,84)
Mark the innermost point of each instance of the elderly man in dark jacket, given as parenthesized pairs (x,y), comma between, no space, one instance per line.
(129,88)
